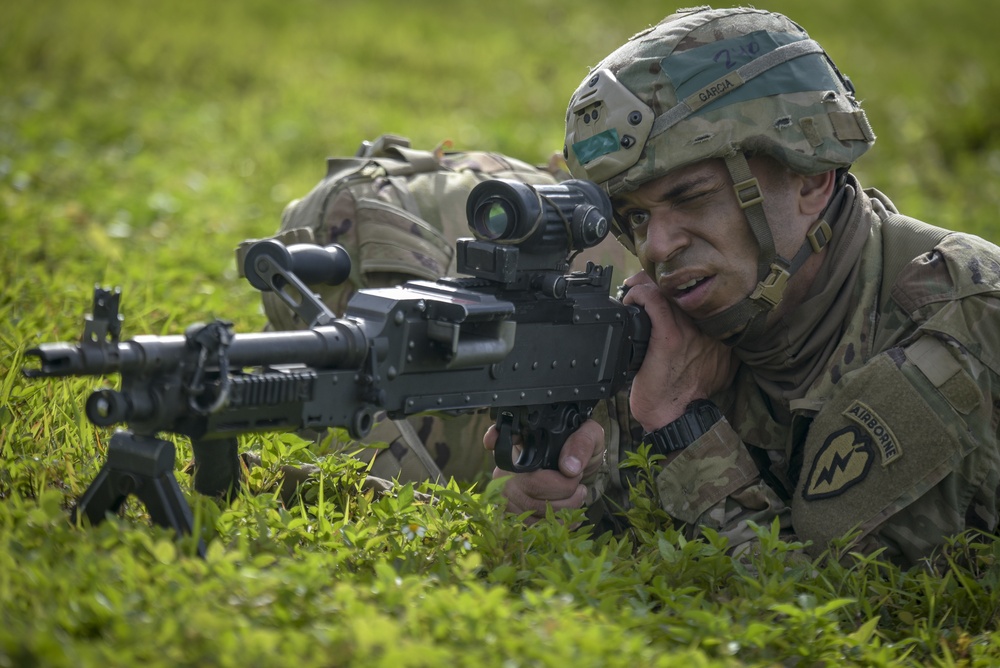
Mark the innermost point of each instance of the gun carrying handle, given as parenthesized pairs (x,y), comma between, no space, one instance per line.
(271,267)
(311,263)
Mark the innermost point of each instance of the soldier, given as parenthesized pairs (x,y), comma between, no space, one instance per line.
(816,357)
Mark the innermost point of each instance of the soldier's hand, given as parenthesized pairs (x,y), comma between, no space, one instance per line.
(681,363)
(536,491)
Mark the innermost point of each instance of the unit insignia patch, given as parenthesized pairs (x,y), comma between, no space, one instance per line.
(842,461)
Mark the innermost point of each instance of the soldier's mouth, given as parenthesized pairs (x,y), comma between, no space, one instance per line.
(685,288)
(692,296)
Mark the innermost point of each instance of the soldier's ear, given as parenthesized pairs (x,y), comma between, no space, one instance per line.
(815,192)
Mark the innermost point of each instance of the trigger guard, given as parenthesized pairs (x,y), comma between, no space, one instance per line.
(503,452)
(544,431)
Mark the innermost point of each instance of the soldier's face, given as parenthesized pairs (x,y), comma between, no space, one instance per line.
(692,237)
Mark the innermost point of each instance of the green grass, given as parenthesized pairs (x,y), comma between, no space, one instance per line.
(141,140)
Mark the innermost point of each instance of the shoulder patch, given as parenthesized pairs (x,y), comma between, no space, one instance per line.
(843,460)
(882,437)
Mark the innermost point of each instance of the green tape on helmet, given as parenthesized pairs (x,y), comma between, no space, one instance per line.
(600,144)
(606,127)
(694,71)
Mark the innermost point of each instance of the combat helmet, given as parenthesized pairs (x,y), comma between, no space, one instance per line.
(718,83)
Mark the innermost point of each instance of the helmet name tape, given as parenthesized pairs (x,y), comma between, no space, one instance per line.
(690,70)
(771,58)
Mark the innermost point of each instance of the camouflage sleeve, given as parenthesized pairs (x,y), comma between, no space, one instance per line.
(906,452)
(902,455)
(713,483)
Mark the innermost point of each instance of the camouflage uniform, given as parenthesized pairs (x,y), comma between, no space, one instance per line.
(897,435)
(872,407)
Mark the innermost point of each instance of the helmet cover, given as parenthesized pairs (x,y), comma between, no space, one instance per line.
(706,83)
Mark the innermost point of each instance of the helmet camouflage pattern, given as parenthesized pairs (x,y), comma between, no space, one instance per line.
(705,83)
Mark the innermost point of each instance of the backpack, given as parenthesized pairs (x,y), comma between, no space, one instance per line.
(396,210)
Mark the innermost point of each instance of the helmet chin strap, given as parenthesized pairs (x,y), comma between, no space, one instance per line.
(745,321)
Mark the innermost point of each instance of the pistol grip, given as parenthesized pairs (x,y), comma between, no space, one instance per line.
(543,430)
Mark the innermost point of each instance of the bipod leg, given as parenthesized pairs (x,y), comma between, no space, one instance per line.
(142,466)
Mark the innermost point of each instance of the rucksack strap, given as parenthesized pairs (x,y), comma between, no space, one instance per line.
(394,159)
(414,161)
(417,447)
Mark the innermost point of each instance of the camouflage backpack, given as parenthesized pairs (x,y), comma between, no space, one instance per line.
(398,212)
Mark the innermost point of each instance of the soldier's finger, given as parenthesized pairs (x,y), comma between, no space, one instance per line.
(580,448)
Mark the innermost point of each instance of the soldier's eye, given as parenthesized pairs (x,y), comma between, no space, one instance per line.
(636,218)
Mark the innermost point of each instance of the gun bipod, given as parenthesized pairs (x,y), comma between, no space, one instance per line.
(142,466)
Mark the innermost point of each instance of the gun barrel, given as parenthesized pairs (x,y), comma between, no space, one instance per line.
(92,359)
(337,345)
(340,344)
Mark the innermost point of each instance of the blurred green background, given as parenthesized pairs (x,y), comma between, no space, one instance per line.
(156,134)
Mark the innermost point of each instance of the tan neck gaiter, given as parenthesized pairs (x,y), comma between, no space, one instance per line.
(793,351)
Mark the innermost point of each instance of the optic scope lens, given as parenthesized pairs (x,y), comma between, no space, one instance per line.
(503,211)
(493,219)
(539,219)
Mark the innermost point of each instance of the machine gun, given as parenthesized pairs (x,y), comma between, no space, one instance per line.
(518,333)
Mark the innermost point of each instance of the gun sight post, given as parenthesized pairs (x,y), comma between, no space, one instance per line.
(104,324)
